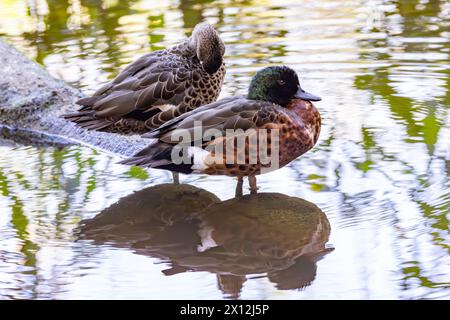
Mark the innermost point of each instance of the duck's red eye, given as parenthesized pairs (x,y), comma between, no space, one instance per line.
(281,82)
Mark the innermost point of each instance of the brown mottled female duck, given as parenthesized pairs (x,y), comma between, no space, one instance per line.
(157,87)
(276,105)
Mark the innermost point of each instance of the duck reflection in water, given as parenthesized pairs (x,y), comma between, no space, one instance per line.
(267,234)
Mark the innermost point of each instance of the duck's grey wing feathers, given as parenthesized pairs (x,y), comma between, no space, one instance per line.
(137,91)
(198,113)
(227,114)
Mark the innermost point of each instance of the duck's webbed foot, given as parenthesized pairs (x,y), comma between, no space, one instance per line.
(239,192)
(253,186)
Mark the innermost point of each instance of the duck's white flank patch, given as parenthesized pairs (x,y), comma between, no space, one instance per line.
(199,155)
(205,233)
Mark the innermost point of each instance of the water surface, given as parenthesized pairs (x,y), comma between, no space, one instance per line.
(380,171)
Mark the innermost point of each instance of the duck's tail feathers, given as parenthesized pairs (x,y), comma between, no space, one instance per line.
(98,95)
(157,155)
(88,102)
(86,119)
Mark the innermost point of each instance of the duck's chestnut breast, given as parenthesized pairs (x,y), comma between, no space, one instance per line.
(308,114)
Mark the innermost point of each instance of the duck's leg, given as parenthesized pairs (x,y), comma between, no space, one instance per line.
(239,187)
(175,177)
(252,183)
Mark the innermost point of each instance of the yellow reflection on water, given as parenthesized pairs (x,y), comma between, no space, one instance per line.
(379,171)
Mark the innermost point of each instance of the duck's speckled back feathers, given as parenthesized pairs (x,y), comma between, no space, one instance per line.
(157,87)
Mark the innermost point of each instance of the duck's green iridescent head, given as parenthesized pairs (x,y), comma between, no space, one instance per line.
(278,84)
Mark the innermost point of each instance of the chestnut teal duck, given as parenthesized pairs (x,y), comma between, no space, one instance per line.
(276,103)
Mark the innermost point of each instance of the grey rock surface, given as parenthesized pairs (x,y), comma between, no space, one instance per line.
(32,102)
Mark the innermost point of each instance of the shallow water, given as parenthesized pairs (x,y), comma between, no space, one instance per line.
(380,171)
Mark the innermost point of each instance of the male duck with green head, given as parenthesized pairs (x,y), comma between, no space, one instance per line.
(275,102)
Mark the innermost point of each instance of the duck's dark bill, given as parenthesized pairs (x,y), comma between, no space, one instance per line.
(302,94)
